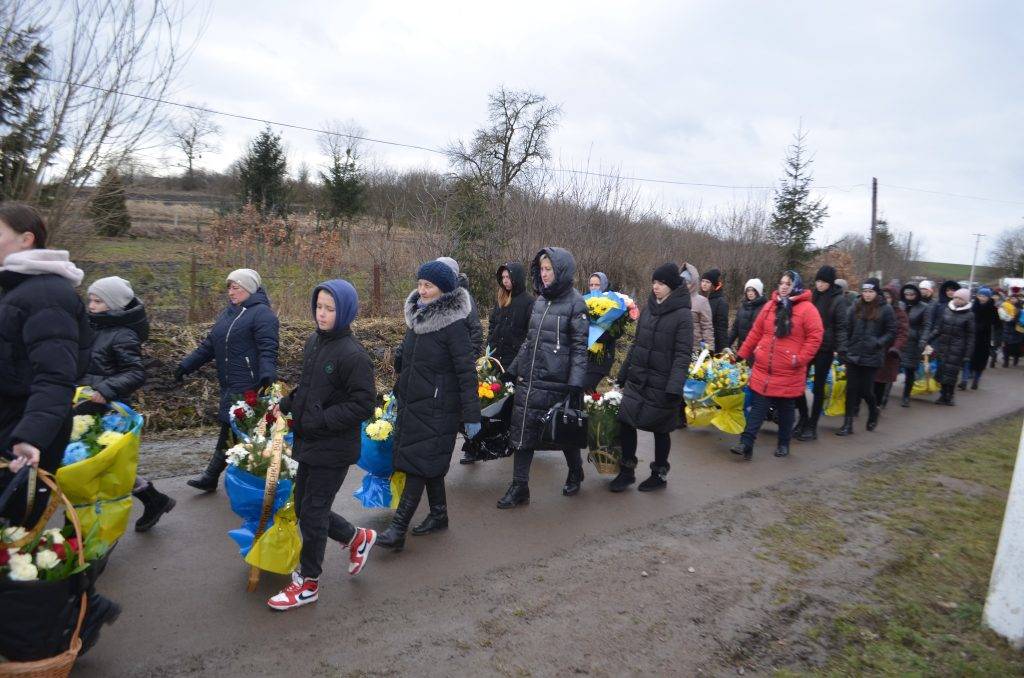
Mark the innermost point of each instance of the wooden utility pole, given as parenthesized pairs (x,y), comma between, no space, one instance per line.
(974,259)
(874,225)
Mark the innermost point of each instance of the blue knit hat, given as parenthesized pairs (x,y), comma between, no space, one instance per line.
(986,291)
(439,274)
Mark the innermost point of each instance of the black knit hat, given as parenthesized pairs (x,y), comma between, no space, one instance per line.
(872,284)
(668,275)
(714,276)
(826,274)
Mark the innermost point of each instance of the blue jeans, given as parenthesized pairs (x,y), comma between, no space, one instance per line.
(784,408)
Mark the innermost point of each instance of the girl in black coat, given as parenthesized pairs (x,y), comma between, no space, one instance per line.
(753,301)
(551,365)
(437,395)
(115,372)
(711,287)
(335,394)
(952,340)
(243,343)
(871,329)
(506,331)
(918,312)
(653,376)
(986,322)
(601,367)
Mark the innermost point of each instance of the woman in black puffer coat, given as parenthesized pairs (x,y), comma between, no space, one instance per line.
(244,344)
(918,312)
(986,322)
(437,395)
(870,331)
(506,331)
(120,325)
(952,339)
(551,365)
(653,376)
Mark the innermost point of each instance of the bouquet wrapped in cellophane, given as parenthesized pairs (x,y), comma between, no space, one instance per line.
(714,392)
(382,485)
(609,313)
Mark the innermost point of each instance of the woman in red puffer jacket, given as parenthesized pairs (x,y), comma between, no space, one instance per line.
(783,341)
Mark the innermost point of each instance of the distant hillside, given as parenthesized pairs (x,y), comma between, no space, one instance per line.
(942,271)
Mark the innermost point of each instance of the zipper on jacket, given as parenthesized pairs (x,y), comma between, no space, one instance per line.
(558,334)
(232,325)
(249,365)
(533,362)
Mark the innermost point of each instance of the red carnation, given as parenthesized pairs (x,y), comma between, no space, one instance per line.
(4,557)
(59,550)
(72,543)
(495,388)
(251,398)
(239,413)
(596,397)
(270,418)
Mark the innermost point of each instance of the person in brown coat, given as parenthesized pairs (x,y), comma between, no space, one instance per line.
(886,375)
(703,329)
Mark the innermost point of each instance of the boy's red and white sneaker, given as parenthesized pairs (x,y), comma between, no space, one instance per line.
(301,591)
(359,549)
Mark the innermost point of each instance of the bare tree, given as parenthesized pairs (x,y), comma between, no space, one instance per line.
(514,141)
(194,134)
(1008,253)
(112,61)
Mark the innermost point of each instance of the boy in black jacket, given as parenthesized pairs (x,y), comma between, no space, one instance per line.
(336,393)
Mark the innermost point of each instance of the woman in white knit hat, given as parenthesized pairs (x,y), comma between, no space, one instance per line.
(244,344)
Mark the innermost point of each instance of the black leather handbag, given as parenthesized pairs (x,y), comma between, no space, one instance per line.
(563,426)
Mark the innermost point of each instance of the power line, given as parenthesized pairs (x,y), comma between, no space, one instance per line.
(955,195)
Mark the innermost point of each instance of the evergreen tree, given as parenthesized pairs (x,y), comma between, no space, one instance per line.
(263,173)
(796,215)
(107,208)
(24,59)
(344,192)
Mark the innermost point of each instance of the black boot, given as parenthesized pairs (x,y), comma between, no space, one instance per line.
(626,477)
(906,401)
(517,494)
(156,505)
(782,451)
(207,482)
(394,537)
(573,481)
(801,425)
(437,519)
(872,419)
(962,385)
(974,382)
(847,429)
(950,394)
(810,431)
(746,450)
(657,479)
(100,612)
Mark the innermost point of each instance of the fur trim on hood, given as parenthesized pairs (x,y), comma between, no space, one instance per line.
(43,262)
(449,308)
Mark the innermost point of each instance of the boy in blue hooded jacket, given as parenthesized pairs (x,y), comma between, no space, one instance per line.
(335,394)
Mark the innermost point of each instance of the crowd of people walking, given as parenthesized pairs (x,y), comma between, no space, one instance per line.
(51,341)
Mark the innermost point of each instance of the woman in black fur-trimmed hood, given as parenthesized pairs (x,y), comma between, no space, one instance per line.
(437,394)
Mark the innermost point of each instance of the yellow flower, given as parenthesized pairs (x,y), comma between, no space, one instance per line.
(484,391)
(598,306)
(597,348)
(108,438)
(378,413)
(81,425)
(379,430)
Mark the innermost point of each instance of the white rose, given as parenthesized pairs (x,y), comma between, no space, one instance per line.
(46,559)
(22,571)
(14,533)
(55,535)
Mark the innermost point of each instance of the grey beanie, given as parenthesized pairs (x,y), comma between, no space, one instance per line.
(450,263)
(113,291)
(247,278)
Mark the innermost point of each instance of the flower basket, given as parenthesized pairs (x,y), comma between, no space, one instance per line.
(606,461)
(603,431)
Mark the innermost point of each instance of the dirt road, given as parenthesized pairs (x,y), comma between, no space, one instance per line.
(669,583)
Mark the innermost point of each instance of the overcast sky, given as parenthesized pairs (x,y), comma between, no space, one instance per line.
(927,95)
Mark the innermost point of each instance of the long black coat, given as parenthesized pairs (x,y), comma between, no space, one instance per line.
(553,359)
(476,329)
(986,321)
(917,329)
(719,319)
(834,310)
(506,329)
(44,350)
(336,393)
(868,340)
(654,372)
(746,314)
(244,344)
(115,366)
(952,337)
(437,384)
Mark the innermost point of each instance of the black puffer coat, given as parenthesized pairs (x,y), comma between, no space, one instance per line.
(868,340)
(244,343)
(437,385)
(44,350)
(746,314)
(476,329)
(986,322)
(917,319)
(655,369)
(834,310)
(554,357)
(336,393)
(952,337)
(115,368)
(719,319)
(506,330)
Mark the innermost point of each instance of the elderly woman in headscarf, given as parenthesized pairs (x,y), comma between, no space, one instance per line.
(599,366)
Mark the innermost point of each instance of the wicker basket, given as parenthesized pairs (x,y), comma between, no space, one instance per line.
(605,461)
(60,665)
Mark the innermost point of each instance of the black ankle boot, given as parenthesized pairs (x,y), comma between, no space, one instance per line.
(207,482)
(782,451)
(847,429)
(657,479)
(872,419)
(801,425)
(156,505)
(810,431)
(626,477)
(974,383)
(394,537)
(906,401)
(962,385)
(573,481)
(746,450)
(437,519)
(516,495)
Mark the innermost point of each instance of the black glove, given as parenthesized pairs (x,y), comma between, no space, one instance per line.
(265,384)
(179,374)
